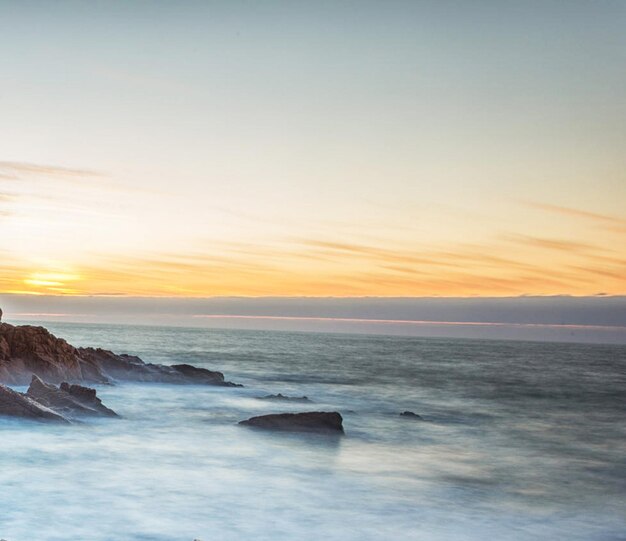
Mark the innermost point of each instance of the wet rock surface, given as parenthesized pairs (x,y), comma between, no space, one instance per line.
(312,421)
(284,398)
(130,368)
(411,415)
(14,404)
(68,400)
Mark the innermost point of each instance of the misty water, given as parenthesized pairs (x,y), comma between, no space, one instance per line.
(521,441)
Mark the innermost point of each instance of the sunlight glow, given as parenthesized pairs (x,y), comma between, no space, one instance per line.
(361,159)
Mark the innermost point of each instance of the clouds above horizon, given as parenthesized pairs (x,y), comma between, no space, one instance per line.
(563,319)
(313,149)
(503,264)
(611,223)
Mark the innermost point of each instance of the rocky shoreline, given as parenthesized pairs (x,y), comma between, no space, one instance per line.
(56,371)
(26,350)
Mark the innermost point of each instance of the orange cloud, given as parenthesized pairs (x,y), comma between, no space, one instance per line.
(609,222)
(323,268)
(338,264)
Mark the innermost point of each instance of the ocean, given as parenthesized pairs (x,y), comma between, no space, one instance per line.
(519,441)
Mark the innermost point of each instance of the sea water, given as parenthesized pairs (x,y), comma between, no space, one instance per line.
(520,441)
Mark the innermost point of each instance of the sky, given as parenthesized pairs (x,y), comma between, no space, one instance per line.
(598,319)
(312,149)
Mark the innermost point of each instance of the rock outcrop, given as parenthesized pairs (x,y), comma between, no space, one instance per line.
(68,400)
(282,398)
(130,368)
(88,398)
(26,351)
(16,404)
(411,415)
(311,421)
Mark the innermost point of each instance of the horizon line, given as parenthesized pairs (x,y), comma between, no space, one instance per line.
(384,297)
(416,322)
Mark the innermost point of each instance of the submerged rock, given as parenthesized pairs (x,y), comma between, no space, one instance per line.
(282,397)
(70,400)
(311,421)
(16,404)
(26,351)
(411,415)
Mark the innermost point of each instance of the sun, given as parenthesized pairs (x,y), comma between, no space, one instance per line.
(53,282)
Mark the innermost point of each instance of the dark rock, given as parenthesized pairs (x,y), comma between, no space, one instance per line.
(26,351)
(202,375)
(131,368)
(70,400)
(411,415)
(88,398)
(311,421)
(282,397)
(16,404)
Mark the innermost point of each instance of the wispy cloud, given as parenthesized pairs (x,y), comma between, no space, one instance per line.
(339,265)
(6,199)
(552,243)
(74,178)
(15,170)
(612,223)
(319,267)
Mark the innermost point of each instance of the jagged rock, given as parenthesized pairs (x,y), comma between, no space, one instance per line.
(282,397)
(311,421)
(411,415)
(27,350)
(131,368)
(201,375)
(70,400)
(16,404)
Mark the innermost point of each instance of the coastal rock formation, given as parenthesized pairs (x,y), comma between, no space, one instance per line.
(69,400)
(130,368)
(311,421)
(88,398)
(282,397)
(16,404)
(412,415)
(26,351)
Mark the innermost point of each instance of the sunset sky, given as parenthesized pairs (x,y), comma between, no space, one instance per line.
(196,149)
